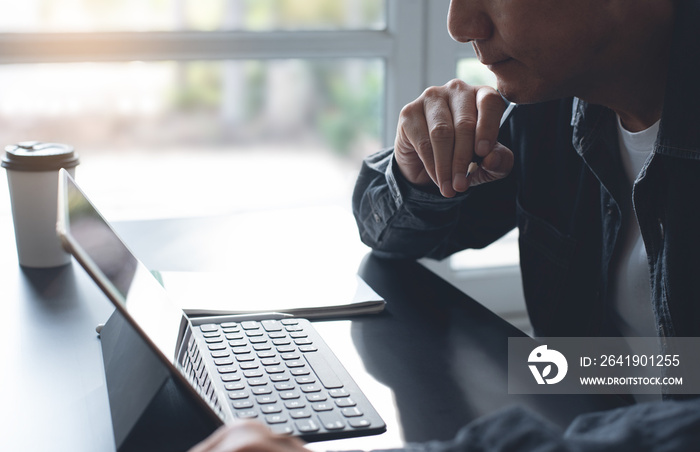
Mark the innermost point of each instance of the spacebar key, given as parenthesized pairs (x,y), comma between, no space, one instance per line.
(323,370)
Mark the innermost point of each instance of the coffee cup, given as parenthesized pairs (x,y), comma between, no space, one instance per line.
(32,175)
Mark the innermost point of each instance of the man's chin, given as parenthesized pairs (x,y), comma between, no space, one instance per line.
(526,92)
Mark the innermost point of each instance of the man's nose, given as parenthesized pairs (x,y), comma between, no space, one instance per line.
(467,21)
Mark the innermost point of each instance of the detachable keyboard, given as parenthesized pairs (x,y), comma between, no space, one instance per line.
(281,373)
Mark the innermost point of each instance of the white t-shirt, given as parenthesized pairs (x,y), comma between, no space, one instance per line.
(632,291)
(633,311)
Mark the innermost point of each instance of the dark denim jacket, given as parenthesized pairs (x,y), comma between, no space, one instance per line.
(568,197)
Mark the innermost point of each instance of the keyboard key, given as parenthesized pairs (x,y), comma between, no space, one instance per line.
(262,347)
(291,328)
(274,369)
(287,395)
(279,377)
(284,386)
(209,327)
(238,343)
(298,335)
(210,335)
(230,377)
(300,371)
(223,361)
(271,325)
(265,399)
(236,395)
(235,337)
(229,325)
(218,345)
(276,419)
(282,429)
(322,406)
(264,390)
(351,412)
(249,365)
(213,340)
(286,349)
(253,373)
(249,414)
(271,409)
(283,341)
(300,414)
(303,341)
(250,325)
(226,369)
(331,421)
(295,363)
(359,422)
(242,404)
(266,355)
(288,356)
(337,393)
(345,402)
(289,321)
(305,380)
(270,361)
(294,404)
(277,335)
(234,386)
(241,350)
(308,348)
(245,358)
(317,397)
(307,426)
(310,388)
(220,354)
(257,381)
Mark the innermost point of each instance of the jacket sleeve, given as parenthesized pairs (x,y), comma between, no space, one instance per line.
(400,220)
(646,427)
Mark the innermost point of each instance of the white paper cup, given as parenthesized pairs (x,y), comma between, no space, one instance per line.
(32,176)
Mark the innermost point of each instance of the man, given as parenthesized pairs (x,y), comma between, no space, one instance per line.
(599,168)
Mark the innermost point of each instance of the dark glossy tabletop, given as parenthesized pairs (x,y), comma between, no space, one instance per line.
(432,362)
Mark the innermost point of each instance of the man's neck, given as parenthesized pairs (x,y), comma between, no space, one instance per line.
(635,88)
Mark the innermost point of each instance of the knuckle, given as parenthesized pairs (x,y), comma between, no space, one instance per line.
(432,91)
(465,125)
(442,131)
(409,110)
(490,98)
(457,85)
(424,146)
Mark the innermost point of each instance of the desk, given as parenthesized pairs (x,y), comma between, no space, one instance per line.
(432,362)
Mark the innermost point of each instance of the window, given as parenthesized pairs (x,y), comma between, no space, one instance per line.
(282,91)
(234,104)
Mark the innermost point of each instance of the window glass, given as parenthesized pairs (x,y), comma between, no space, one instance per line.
(331,104)
(203,15)
(256,132)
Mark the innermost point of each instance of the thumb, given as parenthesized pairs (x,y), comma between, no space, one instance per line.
(496,165)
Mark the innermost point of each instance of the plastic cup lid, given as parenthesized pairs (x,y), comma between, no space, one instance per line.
(37,156)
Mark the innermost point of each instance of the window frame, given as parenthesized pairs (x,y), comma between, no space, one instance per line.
(415,47)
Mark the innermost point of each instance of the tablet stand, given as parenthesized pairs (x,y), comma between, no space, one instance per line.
(150,410)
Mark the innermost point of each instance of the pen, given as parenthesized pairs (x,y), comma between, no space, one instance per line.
(476,160)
